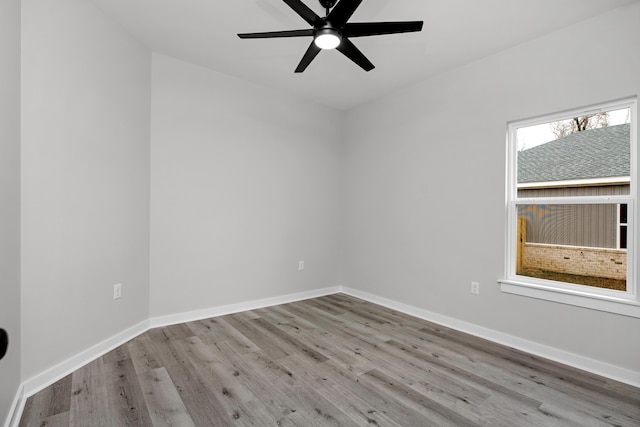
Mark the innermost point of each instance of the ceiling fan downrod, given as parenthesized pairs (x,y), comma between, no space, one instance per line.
(328,4)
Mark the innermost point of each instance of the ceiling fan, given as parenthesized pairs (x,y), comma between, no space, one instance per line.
(334,32)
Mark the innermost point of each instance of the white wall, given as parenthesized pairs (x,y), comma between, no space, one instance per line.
(244,184)
(9,199)
(425,189)
(85,180)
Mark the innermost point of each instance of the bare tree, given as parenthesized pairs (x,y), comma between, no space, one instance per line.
(578,124)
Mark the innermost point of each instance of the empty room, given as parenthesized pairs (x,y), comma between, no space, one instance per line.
(327,213)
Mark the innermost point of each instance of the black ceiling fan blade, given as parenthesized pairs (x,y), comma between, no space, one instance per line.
(309,55)
(272,34)
(353,53)
(304,11)
(342,11)
(361,29)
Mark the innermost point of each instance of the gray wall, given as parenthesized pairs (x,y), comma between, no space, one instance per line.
(425,190)
(9,199)
(85,180)
(244,184)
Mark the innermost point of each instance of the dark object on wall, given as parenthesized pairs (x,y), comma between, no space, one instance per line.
(333,31)
(4,342)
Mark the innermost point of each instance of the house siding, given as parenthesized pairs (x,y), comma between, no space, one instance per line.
(593,225)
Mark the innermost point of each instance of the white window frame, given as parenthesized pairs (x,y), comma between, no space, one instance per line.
(620,302)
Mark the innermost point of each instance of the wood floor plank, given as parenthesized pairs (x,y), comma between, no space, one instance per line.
(301,321)
(325,306)
(224,379)
(334,360)
(203,407)
(143,354)
(51,401)
(89,397)
(215,330)
(399,319)
(360,403)
(437,413)
(322,322)
(355,406)
(314,410)
(127,405)
(166,407)
(302,394)
(569,416)
(289,341)
(282,383)
(58,420)
(268,381)
(255,335)
(470,376)
(264,413)
(329,347)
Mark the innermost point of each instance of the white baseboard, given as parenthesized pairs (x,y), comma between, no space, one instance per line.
(50,376)
(15,411)
(64,368)
(222,310)
(617,373)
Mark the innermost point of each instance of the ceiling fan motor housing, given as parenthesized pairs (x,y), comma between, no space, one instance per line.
(327,29)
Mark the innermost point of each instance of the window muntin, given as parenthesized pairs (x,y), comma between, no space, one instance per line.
(577,195)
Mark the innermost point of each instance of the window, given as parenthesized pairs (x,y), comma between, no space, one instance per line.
(572,190)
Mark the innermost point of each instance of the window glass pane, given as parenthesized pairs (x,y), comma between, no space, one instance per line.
(571,243)
(623,237)
(581,156)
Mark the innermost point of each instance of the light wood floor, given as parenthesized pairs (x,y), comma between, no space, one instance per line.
(329,361)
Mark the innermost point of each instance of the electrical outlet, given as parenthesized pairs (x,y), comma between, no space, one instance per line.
(117,290)
(475,288)
(300,265)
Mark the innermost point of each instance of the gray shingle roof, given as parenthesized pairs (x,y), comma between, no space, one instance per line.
(595,153)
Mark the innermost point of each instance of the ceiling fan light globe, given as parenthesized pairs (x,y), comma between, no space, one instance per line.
(327,40)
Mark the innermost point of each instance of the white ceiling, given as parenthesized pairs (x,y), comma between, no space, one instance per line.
(455,32)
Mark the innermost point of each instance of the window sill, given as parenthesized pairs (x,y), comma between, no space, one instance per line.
(625,307)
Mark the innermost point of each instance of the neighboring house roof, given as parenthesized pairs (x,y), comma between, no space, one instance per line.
(594,153)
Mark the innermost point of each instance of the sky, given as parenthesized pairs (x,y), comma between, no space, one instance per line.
(531,136)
